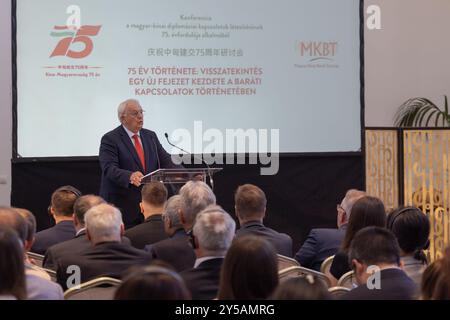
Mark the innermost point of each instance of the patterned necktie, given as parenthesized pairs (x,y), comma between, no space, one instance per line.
(139,150)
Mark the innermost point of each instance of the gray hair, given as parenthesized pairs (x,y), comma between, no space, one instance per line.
(123,107)
(103,222)
(214,230)
(195,196)
(171,211)
(350,198)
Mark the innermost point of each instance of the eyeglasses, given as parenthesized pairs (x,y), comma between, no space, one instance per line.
(339,207)
(135,114)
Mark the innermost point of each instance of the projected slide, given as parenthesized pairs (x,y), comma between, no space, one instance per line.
(289,67)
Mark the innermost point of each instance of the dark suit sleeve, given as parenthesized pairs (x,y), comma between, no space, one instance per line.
(48,259)
(305,256)
(109,162)
(340,265)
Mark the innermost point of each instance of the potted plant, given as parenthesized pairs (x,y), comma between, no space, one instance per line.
(421,112)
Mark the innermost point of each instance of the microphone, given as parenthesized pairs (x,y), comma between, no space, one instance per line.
(157,154)
(211,181)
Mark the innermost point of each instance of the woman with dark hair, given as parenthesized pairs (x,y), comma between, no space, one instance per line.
(249,271)
(430,278)
(302,288)
(12,269)
(366,212)
(152,283)
(412,229)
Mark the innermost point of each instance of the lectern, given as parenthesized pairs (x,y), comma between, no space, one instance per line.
(181,176)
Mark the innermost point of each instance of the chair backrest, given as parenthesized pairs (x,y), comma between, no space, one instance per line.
(296,271)
(102,288)
(37,258)
(286,262)
(347,280)
(336,292)
(326,265)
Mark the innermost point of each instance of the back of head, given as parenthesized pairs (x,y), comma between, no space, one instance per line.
(11,218)
(302,288)
(12,270)
(83,204)
(195,196)
(350,198)
(152,283)
(411,227)
(430,278)
(103,223)
(250,270)
(214,230)
(375,246)
(154,193)
(63,200)
(442,288)
(171,209)
(250,202)
(367,211)
(30,221)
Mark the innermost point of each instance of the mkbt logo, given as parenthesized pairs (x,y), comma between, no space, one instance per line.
(73,36)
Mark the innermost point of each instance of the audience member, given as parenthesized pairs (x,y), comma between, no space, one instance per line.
(12,270)
(325,242)
(430,278)
(250,270)
(154,197)
(108,255)
(250,205)
(211,237)
(152,283)
(38,286)
(61,209)
(302,288)
(442,288)
(30,265)
(412,229)
(375,256)
(78,244)
(176,249)
(367,211)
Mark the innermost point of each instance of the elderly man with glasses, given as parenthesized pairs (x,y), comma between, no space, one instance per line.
(127,153)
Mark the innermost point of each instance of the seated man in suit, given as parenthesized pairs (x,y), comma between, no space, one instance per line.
(325,242)
(108,256)
(38,283)
(154,197)
(375,257)
(175,250)
(78,244)
(250,205)
(211,237)
(61,209)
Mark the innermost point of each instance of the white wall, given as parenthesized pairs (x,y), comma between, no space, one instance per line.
(409,57)
(5,102)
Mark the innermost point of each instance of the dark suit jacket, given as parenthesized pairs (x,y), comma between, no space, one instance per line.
(74,246)
(319,245)
(394,285)
(148,232)
(175,250)
(104,259)
(281,241)
(203,281)
(118,160)
(62,231)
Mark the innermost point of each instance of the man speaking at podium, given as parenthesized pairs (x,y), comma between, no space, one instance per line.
(127,153)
